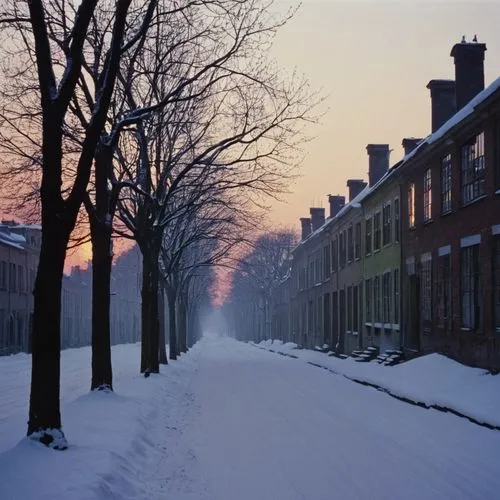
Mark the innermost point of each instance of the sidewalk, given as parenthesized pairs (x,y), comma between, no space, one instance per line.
(432,381)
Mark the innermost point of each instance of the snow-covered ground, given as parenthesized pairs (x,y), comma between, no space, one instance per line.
(433,380)
(231,422)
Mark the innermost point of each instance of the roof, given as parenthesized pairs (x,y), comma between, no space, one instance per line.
(454,121)
(16,242)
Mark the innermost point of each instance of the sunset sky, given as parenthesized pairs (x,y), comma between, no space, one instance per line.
(373,59)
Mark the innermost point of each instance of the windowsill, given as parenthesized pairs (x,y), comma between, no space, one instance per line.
(376,251)
(497,192)
(447,212)
(357,259)
(428,221)
(412,228)
(387,245)
(475,200)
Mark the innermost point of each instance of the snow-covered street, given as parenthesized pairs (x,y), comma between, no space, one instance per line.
(229,421)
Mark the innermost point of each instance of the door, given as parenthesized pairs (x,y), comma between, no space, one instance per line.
(413,338)
(342,313)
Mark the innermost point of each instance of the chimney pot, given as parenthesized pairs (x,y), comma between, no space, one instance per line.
(409,144)
(469,70)
(336,203)
(305,223)
(378,161)
(443,101)
(317,217)
(355,187)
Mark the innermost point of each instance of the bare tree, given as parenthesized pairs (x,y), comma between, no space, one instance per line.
(224,119)
(55,69)
(258,272)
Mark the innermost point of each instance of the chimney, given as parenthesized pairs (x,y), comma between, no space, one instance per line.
(469,70)
(336,204)
(409,144)
(443,101)
(355,187)
(306,227)
(317,217)
(378,161)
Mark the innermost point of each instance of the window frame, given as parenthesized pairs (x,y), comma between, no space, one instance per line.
(427,198)
(412,218)
(369,236)
(470,288)
(357,241)
(377,231)
(387,224)
(472,170)
(446,184)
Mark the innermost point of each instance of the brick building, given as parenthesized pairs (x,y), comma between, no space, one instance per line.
(412,261)
(451,220)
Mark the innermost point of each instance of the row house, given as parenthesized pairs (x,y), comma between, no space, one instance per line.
(19,254)
(451,219)
(19,248)
(412,261)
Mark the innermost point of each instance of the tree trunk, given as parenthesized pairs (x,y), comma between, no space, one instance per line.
(102,373)
(149,308)
(172,324)
(182,326)
(154,324)
(44,411)
(161,313)
(102,260)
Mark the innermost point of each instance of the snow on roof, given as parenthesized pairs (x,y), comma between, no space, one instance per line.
(29,226)
(6,240)
(456,119)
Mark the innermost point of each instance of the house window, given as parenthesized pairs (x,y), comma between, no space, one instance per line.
(473,169)
(426,285)
(350,244)
(342,249)
(496,282)
(20,275)
(355,315)
(3,275)
(357,241)
(470,287)
(349,309)
(12,277)
(326,261)
(376,298)
(397,297)
(397,226)
(386,297)
(334,254)
(497,154)
(376,232)
(368,300)
(386,231)
(446,184)
(411,205)
(428,195)
(444,291)
(368,236)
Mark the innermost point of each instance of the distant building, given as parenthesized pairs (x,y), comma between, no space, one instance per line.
(19,251)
